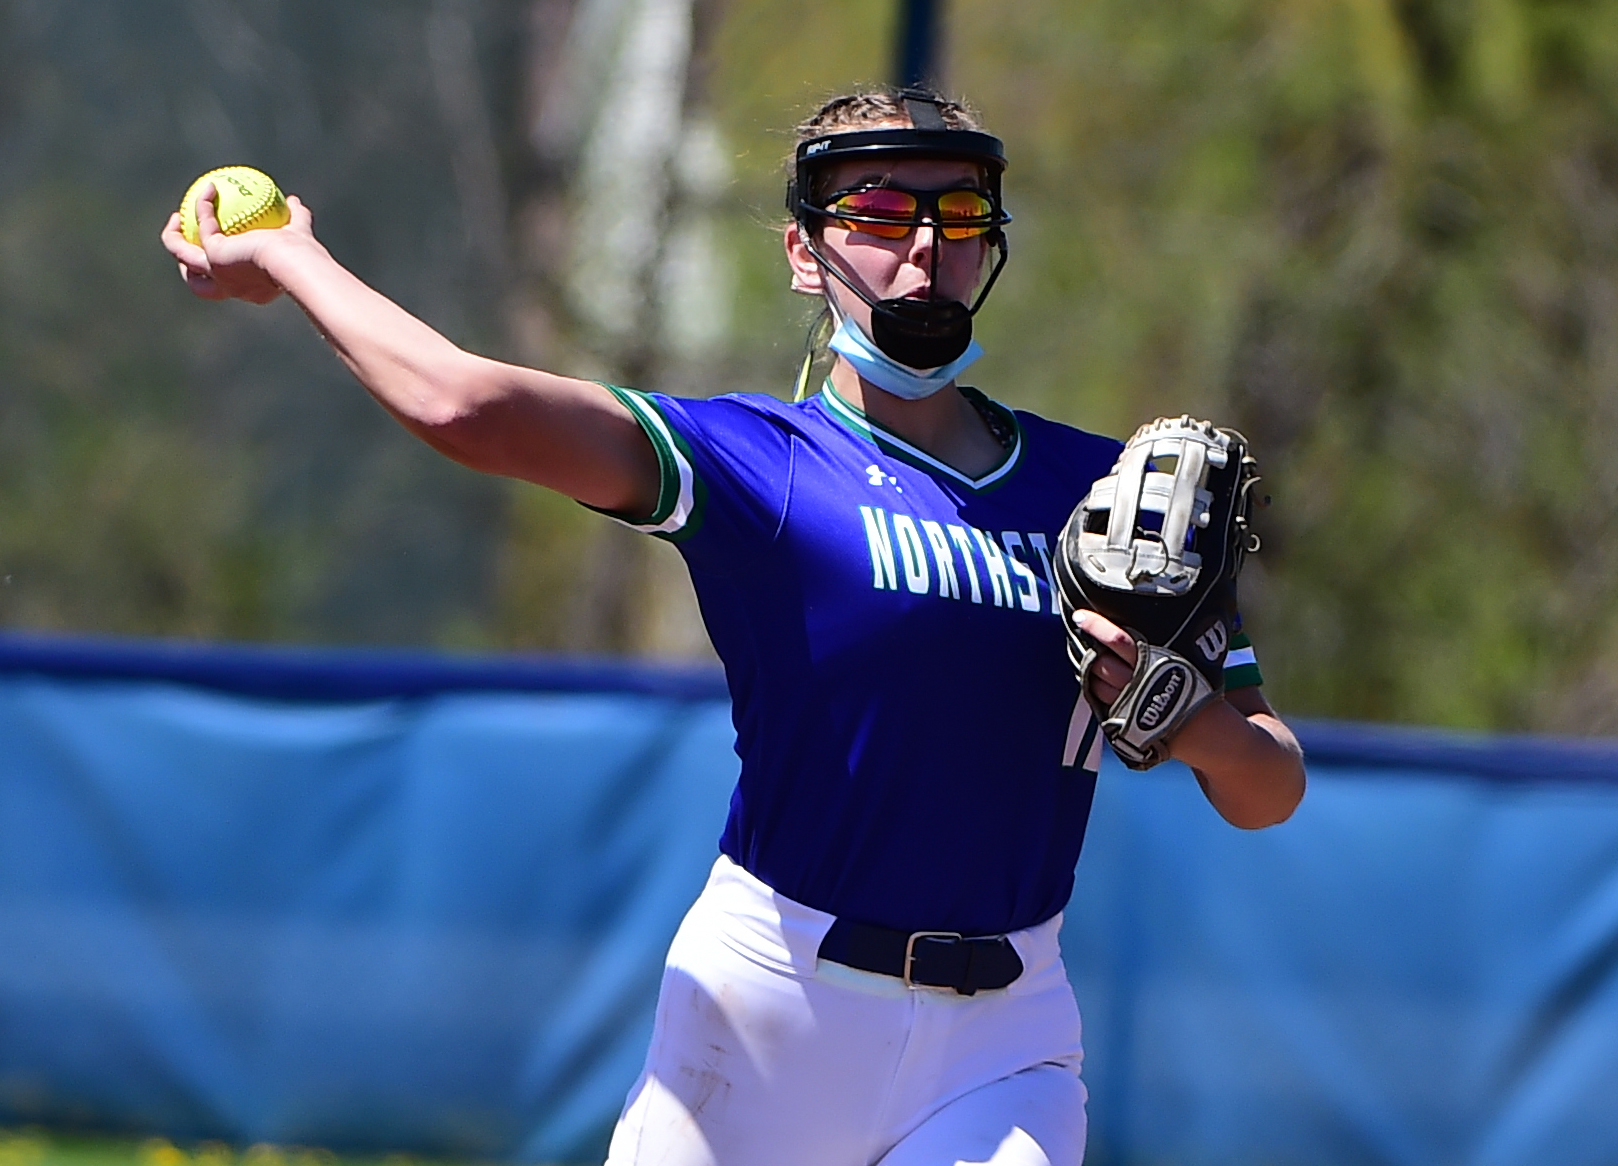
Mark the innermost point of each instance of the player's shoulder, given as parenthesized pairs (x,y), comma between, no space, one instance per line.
(1060,435)
(1068,448)
(744,425)
(736,409)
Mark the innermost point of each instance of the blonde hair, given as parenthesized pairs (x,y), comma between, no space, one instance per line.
(867,109)
(853,111)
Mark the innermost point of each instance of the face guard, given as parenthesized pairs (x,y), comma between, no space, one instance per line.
(921,334)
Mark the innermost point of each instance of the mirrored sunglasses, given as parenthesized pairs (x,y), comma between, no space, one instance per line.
(889,212)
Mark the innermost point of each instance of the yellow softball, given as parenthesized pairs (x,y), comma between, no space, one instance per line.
(248,200)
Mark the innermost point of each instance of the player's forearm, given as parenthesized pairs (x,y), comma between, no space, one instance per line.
(1250,765)
(414,371)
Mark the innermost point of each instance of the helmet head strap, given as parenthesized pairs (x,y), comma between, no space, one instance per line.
(924,109)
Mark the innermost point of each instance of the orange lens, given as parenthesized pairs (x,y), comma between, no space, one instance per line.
(957,205)
(890,213)
(880,202)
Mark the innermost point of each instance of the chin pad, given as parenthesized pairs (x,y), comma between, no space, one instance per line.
(921,334)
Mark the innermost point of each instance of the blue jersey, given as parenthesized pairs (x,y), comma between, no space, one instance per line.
(914,750)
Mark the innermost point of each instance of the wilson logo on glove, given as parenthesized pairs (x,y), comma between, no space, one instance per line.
(1161,698)
(1156,547)
(1213,642)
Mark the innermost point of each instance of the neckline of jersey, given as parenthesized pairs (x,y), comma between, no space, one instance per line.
(890,442)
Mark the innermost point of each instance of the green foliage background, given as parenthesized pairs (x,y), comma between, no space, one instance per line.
(39,1147)
(202,470)
(1378,236)
(1381,236)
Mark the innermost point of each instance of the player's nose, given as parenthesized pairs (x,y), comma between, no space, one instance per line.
(922,252)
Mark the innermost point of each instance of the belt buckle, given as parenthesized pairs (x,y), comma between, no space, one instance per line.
(910,954)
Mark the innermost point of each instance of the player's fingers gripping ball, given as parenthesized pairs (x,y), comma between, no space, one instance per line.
(1155,547)
(248,200)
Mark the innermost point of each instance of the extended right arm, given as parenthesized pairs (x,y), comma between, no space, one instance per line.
(570,435)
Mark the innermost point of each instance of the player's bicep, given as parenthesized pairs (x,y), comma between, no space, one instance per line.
(1249,701)
(576,437)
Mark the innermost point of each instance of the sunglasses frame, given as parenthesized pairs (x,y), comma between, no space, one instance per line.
(981,226)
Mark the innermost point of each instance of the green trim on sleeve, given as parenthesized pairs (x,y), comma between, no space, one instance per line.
(680,493)
(1241,666)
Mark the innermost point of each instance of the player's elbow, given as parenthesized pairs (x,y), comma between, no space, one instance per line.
(452,395)
(1282,794)
(456,411)
(1280,779)
(1256,792)
(1265,818)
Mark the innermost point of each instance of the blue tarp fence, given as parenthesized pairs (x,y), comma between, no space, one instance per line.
(400,901)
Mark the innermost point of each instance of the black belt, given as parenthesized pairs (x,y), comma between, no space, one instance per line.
(931,959)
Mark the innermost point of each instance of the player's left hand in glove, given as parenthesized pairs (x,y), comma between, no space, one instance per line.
(1155,548)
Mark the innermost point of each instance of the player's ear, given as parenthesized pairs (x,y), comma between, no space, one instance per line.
(807,278)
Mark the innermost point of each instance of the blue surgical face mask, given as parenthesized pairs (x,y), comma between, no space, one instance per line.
(876,366)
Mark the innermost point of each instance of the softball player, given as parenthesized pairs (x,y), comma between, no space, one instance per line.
(872,974)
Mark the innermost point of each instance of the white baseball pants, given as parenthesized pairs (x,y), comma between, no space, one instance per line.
(764,1055)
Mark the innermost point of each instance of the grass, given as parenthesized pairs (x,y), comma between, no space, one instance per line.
(37,1147)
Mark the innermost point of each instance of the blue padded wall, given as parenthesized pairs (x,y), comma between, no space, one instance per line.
(402,901)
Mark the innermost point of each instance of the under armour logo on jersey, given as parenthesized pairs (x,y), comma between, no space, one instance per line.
(1212,642)
(878,478)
